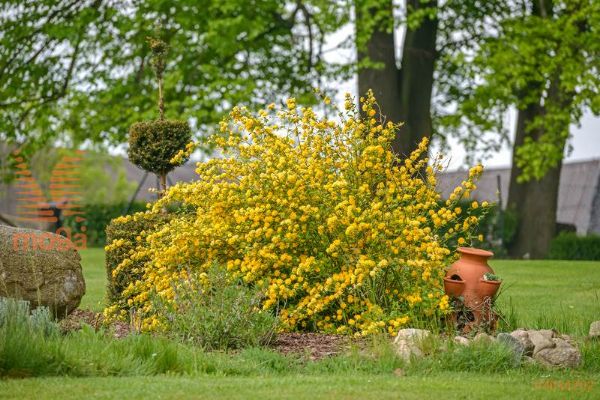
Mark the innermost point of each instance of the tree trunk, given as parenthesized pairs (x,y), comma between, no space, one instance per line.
(535,203)
(404,95)
(416,81)
(161,100)
(163,184)
(380,48)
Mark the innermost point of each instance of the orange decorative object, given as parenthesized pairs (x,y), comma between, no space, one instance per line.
(465,278)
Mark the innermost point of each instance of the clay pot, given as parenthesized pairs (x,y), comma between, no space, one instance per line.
(488,288)
(470,268)
(453,288)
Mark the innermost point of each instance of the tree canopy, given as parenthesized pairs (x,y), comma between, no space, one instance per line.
(79,69)
(543,57)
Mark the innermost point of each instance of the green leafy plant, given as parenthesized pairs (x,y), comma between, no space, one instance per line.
(224,315)
(491,277)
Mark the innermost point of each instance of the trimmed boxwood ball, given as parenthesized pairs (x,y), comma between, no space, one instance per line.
(153,144)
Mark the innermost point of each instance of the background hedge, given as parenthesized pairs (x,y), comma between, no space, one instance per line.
(98,217)
(569,246)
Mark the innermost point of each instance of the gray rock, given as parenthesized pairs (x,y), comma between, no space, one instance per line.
(541,340)
(567,339)
(42,268)
(562,355)
(595,330)
(461,340)
(483,337)
(408,342)
(548,333)
(523,337)
(513,343)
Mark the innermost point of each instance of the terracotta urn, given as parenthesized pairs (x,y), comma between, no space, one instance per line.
(470,269)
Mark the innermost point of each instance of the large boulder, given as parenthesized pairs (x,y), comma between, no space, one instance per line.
(42,268)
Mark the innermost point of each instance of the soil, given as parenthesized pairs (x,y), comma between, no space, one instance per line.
(313,345)
(76,320)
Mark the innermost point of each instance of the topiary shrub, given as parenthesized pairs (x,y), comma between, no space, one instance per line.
(123,236)
(339,233)
(569,246)
(154,144)
(159,146)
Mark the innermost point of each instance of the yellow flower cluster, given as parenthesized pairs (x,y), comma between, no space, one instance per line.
(184,154)
(341,234)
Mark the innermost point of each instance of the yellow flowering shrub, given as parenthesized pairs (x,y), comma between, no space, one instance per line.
(124,235)
(341,234)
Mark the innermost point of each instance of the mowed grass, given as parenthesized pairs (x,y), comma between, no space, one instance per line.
(564,295)
(94,272)
(350,386)
(552,294)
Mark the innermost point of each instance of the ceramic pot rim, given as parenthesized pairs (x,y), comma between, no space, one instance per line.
(474,251)
(446,279)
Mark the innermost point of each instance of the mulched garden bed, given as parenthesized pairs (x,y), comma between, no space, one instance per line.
(313,345)
(76,320)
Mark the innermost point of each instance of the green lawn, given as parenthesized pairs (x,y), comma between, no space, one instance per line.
(92,261)
(558,294)
(355,386)
(551,294)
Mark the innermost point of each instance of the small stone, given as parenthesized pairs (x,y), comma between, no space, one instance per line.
(461,340)
(595,330)
(483,337)
(522,336)
(562,355)
(408,342)
(541,340)
(512,343)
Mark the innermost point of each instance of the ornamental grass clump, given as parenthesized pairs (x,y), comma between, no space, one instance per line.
(338,232)
(217,313)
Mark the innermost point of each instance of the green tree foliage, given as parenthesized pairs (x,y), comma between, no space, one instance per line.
(543,59)
(80,69)
(546,57)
